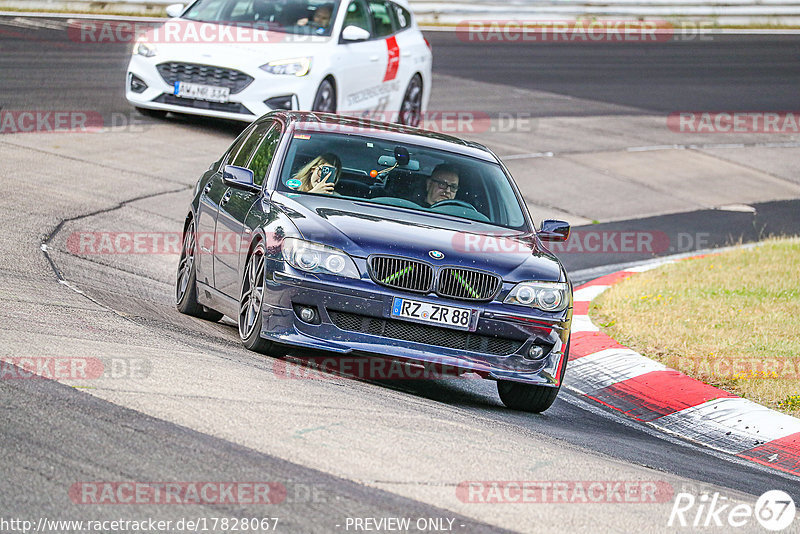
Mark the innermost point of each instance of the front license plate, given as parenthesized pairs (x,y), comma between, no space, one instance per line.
(426,312)
(201,92)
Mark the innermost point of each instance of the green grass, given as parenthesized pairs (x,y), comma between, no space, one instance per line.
(730,319)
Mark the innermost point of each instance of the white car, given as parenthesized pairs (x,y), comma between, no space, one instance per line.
(239,59)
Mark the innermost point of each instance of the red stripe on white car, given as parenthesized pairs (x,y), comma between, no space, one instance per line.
(394,59)
(603,370)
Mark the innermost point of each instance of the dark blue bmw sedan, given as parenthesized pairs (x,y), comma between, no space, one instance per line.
(348,236)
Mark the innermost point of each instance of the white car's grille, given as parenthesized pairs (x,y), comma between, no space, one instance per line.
(234,80)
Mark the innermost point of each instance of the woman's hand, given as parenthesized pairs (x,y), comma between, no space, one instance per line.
(325,188)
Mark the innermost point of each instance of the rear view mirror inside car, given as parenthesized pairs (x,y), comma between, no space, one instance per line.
(390,161)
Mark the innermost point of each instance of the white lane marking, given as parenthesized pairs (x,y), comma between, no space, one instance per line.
(743,208)
(731,425)
(579,401)
(588,294)
(531,155)
(582,323)
(21,22)
(649,267)
(608,367)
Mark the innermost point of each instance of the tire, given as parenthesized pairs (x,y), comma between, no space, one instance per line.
(529,397)
(411,108)
(152,113)
(185,285)
(526,397)
(251,299)
(325,99)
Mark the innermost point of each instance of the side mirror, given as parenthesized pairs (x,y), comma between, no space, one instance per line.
(553,230)
(354,33)
(174,10)
(239,177)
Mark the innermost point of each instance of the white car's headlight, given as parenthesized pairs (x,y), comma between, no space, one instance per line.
(145,49)
(315,258)
(547,296)
(299,66)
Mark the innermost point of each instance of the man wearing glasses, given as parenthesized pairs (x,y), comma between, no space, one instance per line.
(442,185)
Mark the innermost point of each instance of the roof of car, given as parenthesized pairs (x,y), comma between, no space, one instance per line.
(331,123)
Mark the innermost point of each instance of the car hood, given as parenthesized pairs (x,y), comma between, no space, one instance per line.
(220,44)
(361,229)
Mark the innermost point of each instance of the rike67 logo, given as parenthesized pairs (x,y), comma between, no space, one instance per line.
(774,511)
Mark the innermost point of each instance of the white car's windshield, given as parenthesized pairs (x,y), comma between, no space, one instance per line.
(403,175)
(303,17)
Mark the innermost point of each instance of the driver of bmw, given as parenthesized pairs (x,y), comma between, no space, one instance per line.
(442,185)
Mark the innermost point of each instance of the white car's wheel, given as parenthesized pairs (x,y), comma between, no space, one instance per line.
(411,108)
(325,100)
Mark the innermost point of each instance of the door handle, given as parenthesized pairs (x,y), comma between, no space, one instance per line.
(208,187)
(225,198)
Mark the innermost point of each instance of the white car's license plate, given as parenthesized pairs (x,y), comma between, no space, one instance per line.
(426,312)
(202,92)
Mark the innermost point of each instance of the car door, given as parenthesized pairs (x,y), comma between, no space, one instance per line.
(232,235)
(207,211)
(359,65)
(392,83)
(413,52)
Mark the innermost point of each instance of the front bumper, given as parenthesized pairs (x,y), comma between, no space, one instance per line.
(245,105)
(355,317)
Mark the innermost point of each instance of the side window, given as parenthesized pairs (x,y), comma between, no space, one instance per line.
(356,15)
(236,146)
(402,16)
(381,19)
(240,10)
(247,148)
(208,10)
(262,157)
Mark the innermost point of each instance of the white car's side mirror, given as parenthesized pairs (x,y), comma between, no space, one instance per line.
(354,33)
(175,10)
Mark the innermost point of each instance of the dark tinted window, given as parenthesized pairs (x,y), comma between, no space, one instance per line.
(483,194)
(357,16)
(402,16)
(381,18)
(242,156)
(262,157)
(303,17)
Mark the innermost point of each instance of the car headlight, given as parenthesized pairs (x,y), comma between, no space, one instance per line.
(144,49)
(315,258)
(547,296)
(289,67)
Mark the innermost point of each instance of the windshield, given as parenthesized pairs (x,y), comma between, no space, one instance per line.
(407,176)
(304,17)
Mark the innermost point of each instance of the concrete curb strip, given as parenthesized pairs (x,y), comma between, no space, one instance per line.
(611,374)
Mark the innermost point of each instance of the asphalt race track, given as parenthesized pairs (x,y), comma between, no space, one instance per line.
(205,409)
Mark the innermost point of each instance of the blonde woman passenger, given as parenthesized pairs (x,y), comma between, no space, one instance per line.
(320,174)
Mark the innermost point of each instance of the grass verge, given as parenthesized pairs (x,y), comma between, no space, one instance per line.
(731,320)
